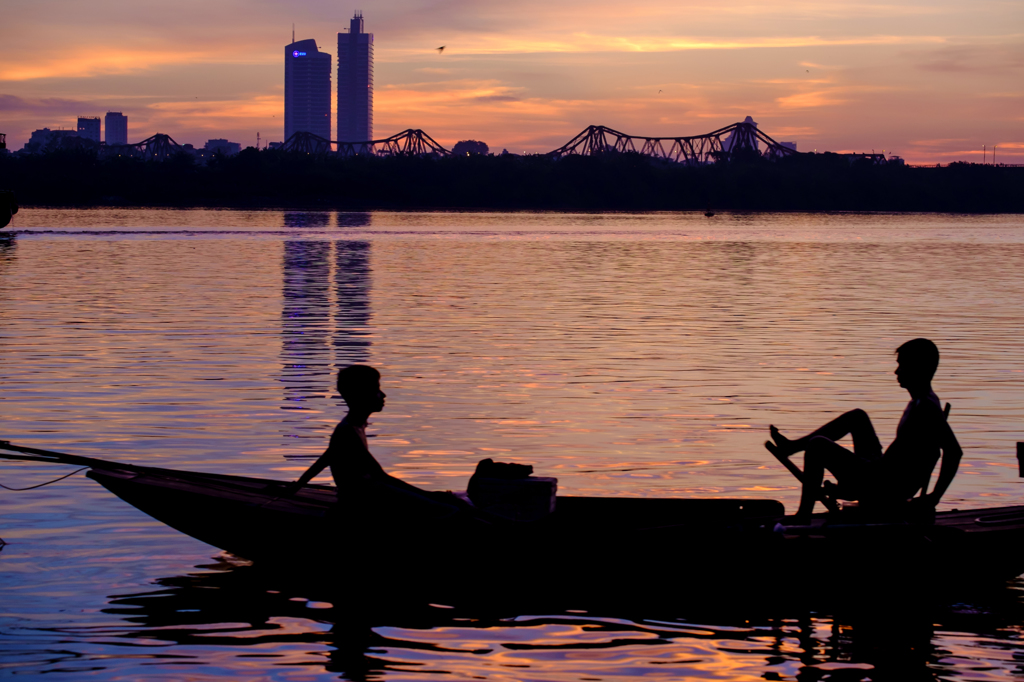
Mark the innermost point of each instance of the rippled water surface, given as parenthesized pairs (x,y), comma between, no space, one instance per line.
(627,355)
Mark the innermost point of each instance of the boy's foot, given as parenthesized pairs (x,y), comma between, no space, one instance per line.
(784,447)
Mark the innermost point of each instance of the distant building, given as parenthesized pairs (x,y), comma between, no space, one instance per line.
(116,126)
(355,83)
(46,138)
(470,147)
(788,145)
(89,128)
(307,90)
(728,142)
(223,147)
(200,155)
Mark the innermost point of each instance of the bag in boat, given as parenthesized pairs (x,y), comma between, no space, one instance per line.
(508,490)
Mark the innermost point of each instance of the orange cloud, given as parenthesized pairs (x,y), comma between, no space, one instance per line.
(213,115)
(87,61)
(587,42)
(804,100)
(941,142)
(790,132)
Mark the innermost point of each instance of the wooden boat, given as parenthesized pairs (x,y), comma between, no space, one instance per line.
(586,542)
(8,207)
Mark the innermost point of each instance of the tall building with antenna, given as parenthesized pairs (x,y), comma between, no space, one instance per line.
(355,83)
(307,89)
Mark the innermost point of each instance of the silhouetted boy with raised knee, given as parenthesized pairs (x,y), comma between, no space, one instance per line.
(905,467)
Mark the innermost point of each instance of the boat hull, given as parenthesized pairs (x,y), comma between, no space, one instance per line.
(585,544)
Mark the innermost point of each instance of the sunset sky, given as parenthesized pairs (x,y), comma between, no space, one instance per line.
(930,81)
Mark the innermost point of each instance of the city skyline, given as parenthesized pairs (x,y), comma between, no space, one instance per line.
(933,82)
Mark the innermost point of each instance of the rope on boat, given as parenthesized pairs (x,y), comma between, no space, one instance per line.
(33,487)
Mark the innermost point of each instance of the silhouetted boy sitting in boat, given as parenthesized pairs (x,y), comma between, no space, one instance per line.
(357,475)
(905,467)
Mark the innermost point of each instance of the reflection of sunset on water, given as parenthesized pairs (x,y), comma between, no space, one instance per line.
(626,355)
(572,644)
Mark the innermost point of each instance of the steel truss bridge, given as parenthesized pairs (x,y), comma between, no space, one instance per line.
(724,144)
(406,143)
(159,147)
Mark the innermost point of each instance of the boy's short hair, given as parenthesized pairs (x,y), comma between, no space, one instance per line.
(921,354)
(354,378)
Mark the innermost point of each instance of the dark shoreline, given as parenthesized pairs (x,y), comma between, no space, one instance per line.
(306,207)
(621,182)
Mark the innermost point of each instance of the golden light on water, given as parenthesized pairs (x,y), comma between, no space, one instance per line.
(626,355)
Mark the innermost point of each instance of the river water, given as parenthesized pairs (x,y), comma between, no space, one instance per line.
(624,354)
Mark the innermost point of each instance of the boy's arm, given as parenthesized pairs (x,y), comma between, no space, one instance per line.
(312,472)
(951,454)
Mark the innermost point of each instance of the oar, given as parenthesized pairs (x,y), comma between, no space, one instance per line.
(788,463)
(37,455)
(829,503)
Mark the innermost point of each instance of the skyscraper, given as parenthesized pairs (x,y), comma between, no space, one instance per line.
(307,90)
(355,83)
(89,128)
(116,126)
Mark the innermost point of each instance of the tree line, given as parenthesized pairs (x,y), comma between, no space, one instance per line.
(627,181)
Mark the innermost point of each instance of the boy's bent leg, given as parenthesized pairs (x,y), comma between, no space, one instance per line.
(823,454)
(855,423)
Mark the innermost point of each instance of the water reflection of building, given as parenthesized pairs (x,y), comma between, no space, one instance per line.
(323,219)
(307,219)
(8,244)
(324,321)
(354,220)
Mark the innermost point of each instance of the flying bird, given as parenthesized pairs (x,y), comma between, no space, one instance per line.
(659,92)
(440,49)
